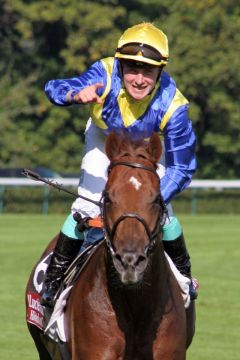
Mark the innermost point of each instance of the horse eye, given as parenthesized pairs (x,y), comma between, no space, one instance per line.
(107,199)
(157,199)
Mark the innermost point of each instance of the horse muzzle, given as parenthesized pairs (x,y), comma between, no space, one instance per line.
(130,266)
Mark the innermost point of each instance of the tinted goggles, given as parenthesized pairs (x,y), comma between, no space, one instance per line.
(146,51)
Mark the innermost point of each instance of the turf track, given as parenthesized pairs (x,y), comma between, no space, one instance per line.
(213,241)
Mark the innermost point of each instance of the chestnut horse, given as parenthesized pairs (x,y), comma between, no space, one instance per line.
(127,304)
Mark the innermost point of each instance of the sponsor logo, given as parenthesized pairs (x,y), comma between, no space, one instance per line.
(35,313)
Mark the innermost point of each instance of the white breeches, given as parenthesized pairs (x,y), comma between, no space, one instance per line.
(93,174)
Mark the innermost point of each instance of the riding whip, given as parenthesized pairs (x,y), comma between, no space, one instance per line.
(35,176)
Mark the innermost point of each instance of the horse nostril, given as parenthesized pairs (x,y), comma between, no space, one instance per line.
(133,260)
(120,262)
(140,260)
(119,259)
(126,259)
(130,260)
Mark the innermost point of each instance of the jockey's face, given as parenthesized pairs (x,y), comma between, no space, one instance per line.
(139,81)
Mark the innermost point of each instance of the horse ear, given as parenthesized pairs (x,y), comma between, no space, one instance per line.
(155,147)
(113,145)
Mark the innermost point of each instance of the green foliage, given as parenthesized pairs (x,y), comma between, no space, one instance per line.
(61,38)
(204,38)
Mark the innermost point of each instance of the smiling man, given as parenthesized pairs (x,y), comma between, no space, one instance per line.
(139,79)
(128,93)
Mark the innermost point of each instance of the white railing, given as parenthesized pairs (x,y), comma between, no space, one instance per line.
(73,182)
(215,184)
(198,184)
(30,182)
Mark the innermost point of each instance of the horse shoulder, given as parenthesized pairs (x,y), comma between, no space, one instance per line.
(172,327)
(89,308)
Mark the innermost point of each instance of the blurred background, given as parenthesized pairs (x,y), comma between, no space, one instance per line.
(42,40)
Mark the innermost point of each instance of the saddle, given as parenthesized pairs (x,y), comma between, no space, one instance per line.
(77,266)
(51,320)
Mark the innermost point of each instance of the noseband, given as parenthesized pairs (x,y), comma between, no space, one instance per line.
(152,235)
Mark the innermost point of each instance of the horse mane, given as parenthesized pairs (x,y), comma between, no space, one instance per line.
(123,145)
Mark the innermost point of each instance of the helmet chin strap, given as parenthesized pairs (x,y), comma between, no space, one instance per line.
(160,72)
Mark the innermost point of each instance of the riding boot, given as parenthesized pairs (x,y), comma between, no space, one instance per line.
(64,253)
(177,251)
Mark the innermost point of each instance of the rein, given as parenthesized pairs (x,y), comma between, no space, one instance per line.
(110,232)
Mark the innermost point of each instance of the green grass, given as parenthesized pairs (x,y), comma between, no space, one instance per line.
(213,241)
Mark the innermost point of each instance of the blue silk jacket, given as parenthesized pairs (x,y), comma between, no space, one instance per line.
(165,111)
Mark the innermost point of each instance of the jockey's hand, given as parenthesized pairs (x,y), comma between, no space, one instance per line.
(89,95)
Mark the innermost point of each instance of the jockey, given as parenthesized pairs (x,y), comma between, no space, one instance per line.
(129,93)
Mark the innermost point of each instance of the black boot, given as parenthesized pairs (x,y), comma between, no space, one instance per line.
(64,253)
(177,251)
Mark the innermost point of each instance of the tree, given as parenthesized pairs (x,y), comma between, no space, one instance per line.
(61,38)
(204,38)
(49,39)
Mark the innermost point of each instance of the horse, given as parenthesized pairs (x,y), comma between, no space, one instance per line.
(126,304)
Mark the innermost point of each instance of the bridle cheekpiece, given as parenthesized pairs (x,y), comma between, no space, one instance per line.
(152,235)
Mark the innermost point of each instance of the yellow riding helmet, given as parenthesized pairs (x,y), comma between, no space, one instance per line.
(144,43)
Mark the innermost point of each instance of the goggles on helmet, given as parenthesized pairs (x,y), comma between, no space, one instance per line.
(146,51)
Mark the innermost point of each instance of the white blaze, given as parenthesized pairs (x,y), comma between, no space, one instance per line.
(135,182)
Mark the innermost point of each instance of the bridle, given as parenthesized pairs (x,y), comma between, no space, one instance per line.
(152,235)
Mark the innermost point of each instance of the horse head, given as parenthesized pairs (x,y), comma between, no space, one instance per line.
(133,210)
